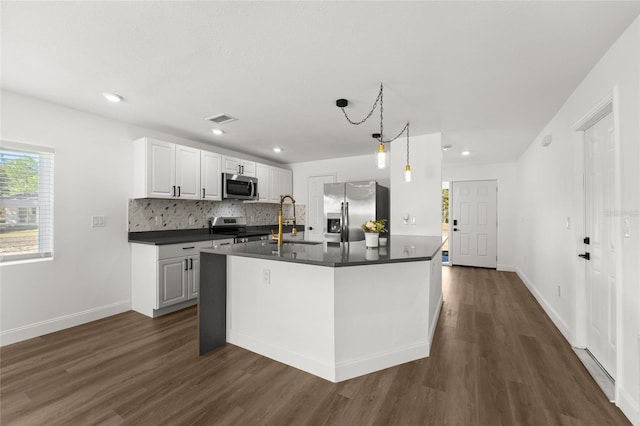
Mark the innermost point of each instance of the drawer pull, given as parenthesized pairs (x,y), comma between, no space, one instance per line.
(188,248)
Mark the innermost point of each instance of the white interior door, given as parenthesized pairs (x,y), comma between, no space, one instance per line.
(315,213)
(473,223)
(599,224)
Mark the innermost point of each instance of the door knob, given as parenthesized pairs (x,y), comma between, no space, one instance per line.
(455,229)
(311,228)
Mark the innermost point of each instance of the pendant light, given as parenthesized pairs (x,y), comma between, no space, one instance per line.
(381,156)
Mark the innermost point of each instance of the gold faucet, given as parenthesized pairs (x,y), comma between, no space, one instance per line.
(294,231)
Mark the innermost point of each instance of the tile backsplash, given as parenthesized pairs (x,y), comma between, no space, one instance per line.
(148,214)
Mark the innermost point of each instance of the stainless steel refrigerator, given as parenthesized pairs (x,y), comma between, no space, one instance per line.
(348,205)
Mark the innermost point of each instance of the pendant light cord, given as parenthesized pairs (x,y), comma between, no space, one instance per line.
(375,104)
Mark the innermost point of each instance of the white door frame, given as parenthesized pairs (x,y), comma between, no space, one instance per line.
(333,175)
(609,103)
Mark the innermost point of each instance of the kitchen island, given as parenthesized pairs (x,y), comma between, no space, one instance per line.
(336,311)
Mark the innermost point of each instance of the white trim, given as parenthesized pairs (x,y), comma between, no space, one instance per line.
(9,145)
(506,267)
(41,328)
(354,368)
(609,104)
(551,313)
(628,406)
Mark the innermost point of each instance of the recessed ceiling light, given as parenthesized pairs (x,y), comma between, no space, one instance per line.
(217,132)
(276,149)
(112,97)
(465,153)
(447,147)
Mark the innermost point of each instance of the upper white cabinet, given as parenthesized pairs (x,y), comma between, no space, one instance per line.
(154,171)
(210,174)
(238,166)
(262,173)
(273,182)
(168,170)
(187,173)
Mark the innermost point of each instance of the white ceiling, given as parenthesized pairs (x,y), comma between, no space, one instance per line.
(488,75)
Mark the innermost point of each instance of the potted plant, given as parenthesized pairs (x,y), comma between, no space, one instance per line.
(372,230)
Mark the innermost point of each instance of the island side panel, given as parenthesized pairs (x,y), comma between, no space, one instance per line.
(382,316)
(212,302)
(284,311)
(435,293)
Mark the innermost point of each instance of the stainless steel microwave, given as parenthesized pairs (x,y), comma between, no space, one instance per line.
(239,187)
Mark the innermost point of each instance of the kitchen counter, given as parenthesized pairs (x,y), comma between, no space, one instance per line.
(191,235)
(400,248)
(335,311)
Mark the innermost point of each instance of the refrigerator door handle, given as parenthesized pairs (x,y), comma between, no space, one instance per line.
(347,215)
(342,222)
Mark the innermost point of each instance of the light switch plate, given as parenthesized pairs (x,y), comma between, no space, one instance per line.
(98,221)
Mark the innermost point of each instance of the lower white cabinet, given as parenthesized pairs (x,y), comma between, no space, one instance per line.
(166,278)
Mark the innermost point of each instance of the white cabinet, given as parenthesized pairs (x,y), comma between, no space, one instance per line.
(187,173)
(165,170)
(210,174)
(273,182)
(166,278)
(238,166)
(262,173)
(154,168)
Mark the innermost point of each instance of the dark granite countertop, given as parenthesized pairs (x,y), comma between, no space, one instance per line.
(400,248)
(191,235)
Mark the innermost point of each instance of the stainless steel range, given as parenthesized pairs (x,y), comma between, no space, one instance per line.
(236,227)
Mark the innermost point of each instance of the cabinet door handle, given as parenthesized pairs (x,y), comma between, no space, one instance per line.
(186,265)
(190,263)
(203,191)
(225,244)
(173,191)
(178,191)
(187,248)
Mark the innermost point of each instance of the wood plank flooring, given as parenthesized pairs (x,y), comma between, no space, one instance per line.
(496,360)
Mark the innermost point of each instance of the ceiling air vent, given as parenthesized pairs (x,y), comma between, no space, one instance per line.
(221,119)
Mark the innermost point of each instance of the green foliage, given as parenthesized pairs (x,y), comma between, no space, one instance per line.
(375,226)
(445,205)
(19,176)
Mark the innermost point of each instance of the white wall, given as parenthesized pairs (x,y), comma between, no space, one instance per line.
(550,191)
(89,276)
(346,169)
(505,174)
(422,197)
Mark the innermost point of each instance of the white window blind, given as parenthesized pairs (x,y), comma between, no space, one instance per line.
(26,201)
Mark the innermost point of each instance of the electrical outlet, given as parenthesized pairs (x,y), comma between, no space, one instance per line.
(158,220)
(266,276)
(559,292)
(413,220)
(190,220)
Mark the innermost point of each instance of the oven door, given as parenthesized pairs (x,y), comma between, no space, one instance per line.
(238,187)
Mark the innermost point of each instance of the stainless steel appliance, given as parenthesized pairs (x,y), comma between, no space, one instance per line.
(239,187)
(349,205)
(235,227)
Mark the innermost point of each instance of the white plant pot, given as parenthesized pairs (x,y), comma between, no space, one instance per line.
(371,239)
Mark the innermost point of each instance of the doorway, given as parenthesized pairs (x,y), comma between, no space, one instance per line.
(598,273)
(474,225)
(315,214)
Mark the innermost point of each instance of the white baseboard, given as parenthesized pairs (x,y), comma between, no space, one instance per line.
(359,367)
(506,268)
(41,328)
(551,313)
(629,407)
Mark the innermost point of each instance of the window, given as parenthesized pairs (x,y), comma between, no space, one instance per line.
(26,201)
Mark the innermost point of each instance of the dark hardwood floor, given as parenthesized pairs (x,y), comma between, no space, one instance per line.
(496,359)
